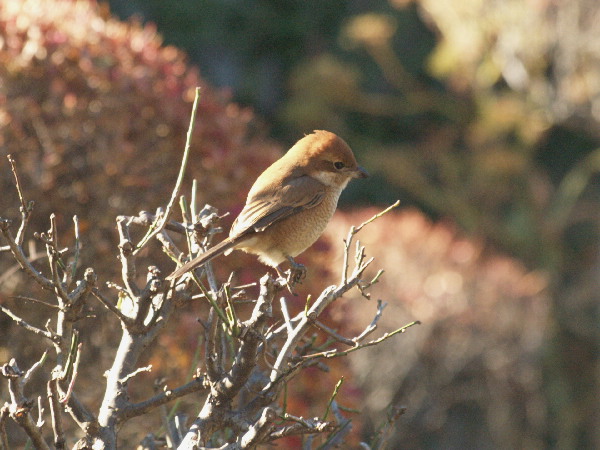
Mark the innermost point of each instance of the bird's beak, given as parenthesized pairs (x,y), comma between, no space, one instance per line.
(361,172)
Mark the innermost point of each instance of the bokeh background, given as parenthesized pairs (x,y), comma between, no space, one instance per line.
(481,116)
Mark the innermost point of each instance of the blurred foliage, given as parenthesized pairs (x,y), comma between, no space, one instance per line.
(92,106)
(245,45)
(470,376)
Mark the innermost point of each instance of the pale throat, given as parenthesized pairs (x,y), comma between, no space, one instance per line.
(330,179)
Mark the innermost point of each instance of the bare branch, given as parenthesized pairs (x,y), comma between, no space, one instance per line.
(20,257)
(336,391)
(128,272)
(384,432)
(4,414)
(40,422)
(55,261)
(343,428)
(325,299)
(34,368)
(335,353)
(137,371)
(373,325)
(137,409)
(376,216)
(286,315)
(112,308)
(334,334)
(22,323)
(71,273)
(20,407)
(158,226)
(35,300)
(55,414)
(259,430)
(65,398)
(301,426)
(26,208)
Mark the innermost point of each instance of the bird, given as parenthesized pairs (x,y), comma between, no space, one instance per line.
(289,205)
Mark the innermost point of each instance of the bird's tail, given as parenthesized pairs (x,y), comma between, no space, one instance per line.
(203,258)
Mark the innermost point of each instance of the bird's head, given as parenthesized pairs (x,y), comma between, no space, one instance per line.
(325,156)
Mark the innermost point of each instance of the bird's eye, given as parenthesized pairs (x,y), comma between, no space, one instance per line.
(338,165)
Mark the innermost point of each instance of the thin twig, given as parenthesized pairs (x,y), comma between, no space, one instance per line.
(35,300)
(40,422)
(17,183)
(67,396)
(159,225)
(20,257)
(112,308)
(33,368)
(376,216)
(373,325)
(335,353)
(75,263)
(353,231)
(336,439)
(4,414)
(47,334)
(382,435)
(55,414)
(126,252)
(25,207)
(334,334)
(137,371)
(286,315)
(55,262)
(336,391)
(137,409)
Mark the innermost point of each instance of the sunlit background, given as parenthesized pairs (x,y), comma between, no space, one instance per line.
(481,116)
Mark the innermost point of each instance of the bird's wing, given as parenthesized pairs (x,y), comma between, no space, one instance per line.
(273,205)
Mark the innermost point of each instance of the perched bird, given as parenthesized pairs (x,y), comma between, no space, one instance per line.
(290,203)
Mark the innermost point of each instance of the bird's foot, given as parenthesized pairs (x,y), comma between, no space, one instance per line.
(293,276)
(296,273)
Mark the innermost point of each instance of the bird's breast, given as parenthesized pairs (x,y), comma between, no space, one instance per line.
(294,234)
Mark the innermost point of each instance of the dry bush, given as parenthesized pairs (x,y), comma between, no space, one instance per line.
(245,364)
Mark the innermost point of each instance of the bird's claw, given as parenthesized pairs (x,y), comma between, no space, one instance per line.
(296,273)
(293,276)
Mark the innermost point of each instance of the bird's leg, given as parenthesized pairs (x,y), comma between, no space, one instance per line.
(293,276)
(286,279)
(297,272)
